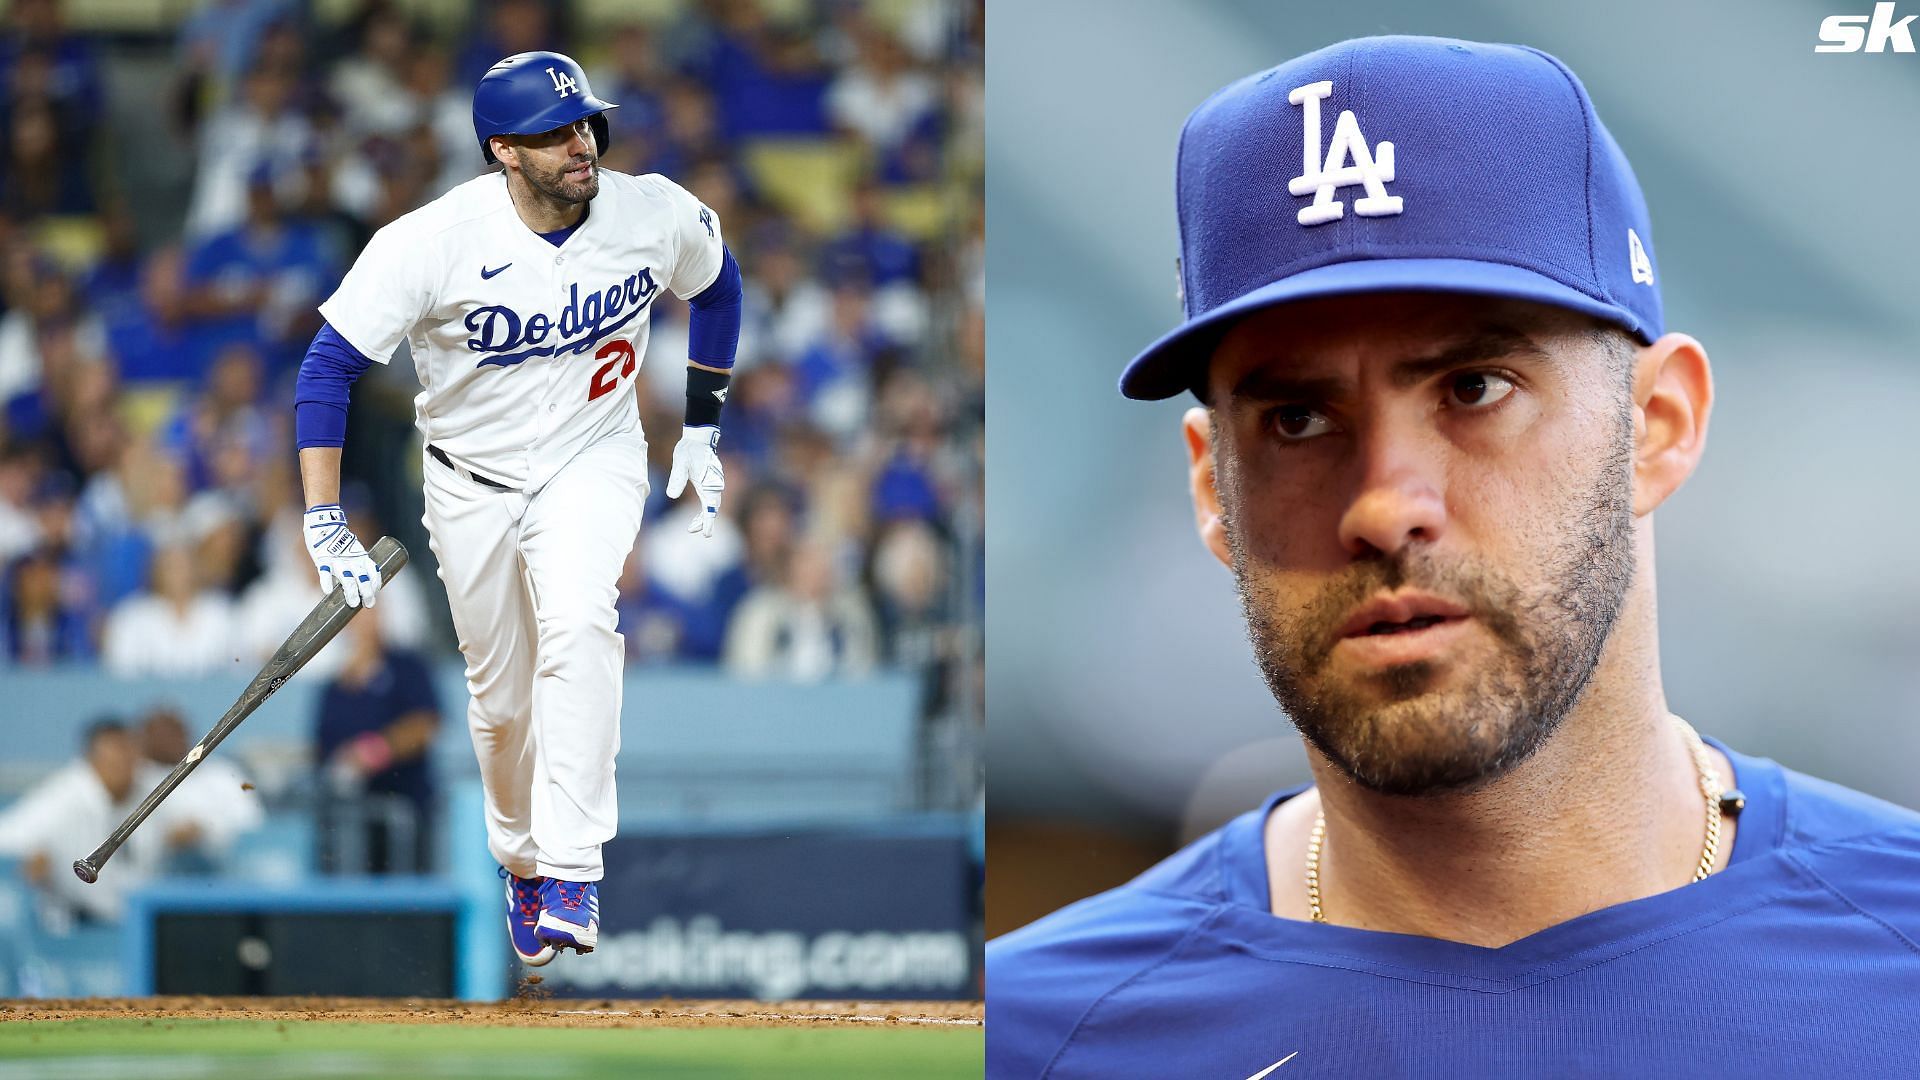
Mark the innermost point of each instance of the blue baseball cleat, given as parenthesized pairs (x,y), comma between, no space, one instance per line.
(523,913)
(569,914)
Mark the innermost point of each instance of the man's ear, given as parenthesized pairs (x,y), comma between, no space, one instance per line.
(1672,398)
(503,151)
(1197,427)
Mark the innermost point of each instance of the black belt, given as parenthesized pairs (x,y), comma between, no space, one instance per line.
(441,456)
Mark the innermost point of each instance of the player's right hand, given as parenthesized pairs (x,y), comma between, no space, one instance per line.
(337,554)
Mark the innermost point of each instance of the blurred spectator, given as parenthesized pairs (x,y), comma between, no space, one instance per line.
(71,811)
(762,403)
(769,523)
(805,629)
(689,131)
(40,59)
(785,309)
(872,252)
(372,739)
(43,174)
(767,79)
(155,340)
(868,250)
(836,370)
(315,203)
(369,85)
(884,101)
(43,338)
(444,117)
(112,284)
(634,79)
(47,598)
(221,40)
(908,483)
(910,590)
(50,82)
(226,412)
(512,26)
(211,808)
(262,128)
(45,624)
(260,284)
(19,474)
(178,628)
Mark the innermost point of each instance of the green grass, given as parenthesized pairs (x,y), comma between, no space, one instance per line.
(268,1050)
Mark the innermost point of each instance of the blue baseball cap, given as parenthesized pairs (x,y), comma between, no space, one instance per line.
(1401,163)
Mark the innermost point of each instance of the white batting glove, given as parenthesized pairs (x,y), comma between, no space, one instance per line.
(696,457)
(338,556)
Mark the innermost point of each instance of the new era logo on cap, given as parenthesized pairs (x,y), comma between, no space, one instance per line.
(1450,165)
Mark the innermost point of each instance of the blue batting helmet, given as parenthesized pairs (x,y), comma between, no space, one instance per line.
(529,93)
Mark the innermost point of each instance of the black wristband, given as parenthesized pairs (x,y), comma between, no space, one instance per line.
(706,392)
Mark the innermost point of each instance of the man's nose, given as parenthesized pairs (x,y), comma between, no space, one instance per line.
(1401,498)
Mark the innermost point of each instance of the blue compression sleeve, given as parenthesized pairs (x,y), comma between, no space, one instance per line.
(320,391)
(713,327)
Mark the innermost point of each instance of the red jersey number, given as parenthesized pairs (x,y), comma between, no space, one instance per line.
(604,380)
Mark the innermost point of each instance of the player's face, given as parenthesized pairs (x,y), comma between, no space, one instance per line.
(1427,502)
(563,164)
(114,759)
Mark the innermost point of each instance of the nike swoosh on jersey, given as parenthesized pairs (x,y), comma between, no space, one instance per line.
(1275,1065)
(487,275)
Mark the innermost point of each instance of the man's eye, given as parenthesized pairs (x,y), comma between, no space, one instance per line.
(1478,389)
(1297,423)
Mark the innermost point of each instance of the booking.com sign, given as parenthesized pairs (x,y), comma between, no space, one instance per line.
(1866,33)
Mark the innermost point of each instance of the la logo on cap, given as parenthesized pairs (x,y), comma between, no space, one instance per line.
(1372,170)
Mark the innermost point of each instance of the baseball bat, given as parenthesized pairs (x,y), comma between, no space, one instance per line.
(307,639)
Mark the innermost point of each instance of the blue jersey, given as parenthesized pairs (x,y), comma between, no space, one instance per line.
(1799,958)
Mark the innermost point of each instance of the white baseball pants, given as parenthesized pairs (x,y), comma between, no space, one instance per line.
(532,579)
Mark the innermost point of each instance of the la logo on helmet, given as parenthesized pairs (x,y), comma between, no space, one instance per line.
(1372,170)
(563,83)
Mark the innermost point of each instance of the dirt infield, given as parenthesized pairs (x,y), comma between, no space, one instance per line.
(529,1010)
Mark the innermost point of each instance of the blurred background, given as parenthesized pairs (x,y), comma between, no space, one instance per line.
(1127,715)
(183,182)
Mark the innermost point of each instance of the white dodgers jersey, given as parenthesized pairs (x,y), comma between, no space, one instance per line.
(525,351)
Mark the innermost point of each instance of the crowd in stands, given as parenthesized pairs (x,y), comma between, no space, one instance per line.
(149,501)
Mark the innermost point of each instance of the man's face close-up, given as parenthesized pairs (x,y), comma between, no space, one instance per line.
(1427,503)
(562,164)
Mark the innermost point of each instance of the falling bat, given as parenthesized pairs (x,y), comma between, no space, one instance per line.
(307,639)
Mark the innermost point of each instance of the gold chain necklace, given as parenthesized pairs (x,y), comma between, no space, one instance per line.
(1721,802)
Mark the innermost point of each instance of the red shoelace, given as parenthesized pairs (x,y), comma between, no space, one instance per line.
(526,897)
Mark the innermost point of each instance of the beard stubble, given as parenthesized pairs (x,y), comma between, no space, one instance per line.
(1410,739)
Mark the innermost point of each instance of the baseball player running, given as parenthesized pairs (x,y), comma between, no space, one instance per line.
(524,296)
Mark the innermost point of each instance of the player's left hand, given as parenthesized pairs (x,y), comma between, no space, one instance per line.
(696,457)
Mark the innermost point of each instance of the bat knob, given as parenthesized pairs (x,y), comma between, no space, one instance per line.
(85,871)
